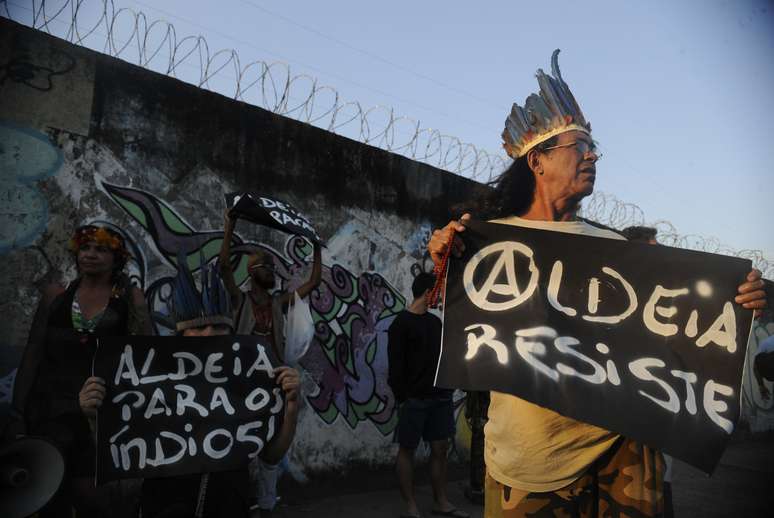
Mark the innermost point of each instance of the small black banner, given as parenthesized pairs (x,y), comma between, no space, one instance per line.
(271,212)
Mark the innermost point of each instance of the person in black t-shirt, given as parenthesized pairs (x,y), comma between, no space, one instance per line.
(425,412)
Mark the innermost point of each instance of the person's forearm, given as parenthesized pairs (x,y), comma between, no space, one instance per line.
(280,443)
(224,261)
(314,279)
(224,256)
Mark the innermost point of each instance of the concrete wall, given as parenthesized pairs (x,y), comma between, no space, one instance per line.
(85,137)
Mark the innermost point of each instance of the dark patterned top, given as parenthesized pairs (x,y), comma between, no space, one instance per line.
(67,355)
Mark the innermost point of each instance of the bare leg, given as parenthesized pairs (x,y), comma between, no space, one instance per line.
(405,469)
(438,450)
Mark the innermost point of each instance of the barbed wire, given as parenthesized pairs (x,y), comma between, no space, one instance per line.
(132,37)
(129,35)
(609,210)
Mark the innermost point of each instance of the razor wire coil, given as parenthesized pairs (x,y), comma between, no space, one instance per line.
(155,45)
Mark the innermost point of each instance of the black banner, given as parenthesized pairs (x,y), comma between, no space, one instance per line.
(643,340)
(179,405)
(271,212)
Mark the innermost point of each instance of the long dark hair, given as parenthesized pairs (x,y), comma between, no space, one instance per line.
(510,194)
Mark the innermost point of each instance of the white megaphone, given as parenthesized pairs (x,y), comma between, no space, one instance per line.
(31,470)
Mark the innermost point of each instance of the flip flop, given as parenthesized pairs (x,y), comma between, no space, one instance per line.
(453,513)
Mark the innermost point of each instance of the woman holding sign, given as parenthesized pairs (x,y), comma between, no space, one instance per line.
(540,463)
(99,302)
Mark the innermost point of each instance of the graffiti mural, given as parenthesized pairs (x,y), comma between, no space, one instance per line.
(348,357)
(352,315)
(26,157)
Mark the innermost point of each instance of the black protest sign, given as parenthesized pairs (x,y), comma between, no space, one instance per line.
(640,339)
(178,405)
(271,212)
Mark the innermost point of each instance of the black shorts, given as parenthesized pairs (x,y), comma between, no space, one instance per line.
(428,419)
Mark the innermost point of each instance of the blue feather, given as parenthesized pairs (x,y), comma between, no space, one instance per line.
(188,303)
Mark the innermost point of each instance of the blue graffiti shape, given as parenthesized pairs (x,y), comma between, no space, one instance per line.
(26,157)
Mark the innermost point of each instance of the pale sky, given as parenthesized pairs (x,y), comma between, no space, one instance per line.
(679,93)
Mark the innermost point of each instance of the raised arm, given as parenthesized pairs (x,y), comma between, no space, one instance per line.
(224,260)
(288,379)
(313,281)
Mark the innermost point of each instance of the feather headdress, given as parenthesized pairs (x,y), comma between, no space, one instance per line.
(543,116)
(189,307)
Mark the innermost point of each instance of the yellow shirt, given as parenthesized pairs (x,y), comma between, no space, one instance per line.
(529,447)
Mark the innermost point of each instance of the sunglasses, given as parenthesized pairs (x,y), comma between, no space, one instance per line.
(584,147)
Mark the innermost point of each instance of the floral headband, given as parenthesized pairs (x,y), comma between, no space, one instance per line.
(101,236)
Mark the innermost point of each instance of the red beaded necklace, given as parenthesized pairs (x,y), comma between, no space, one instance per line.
(440,273)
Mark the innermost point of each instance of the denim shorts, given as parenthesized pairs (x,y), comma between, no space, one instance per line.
(429,419)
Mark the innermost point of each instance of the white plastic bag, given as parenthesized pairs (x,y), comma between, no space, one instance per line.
(299,329)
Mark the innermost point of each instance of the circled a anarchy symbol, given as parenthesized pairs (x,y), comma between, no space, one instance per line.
(507,251)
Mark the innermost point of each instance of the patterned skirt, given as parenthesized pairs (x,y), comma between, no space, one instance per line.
(627,481)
